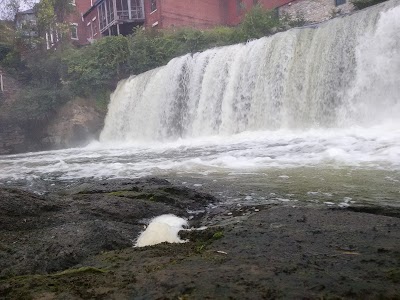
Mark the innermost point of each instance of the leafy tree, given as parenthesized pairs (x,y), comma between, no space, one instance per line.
(51,12)
(259,22)
(11,49)
(51,16)
(109,59)
(38,103)
(7,34)
(97,66)
(8,8)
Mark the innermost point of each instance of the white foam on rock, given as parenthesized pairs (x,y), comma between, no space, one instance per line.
(162,229)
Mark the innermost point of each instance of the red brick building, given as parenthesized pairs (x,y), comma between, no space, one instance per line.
(78,30)
(96,18)
(192,13)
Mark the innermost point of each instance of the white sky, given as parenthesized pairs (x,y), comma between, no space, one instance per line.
(29,5)
(25,4)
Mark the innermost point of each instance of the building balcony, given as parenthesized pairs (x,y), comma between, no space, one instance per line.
(113,12)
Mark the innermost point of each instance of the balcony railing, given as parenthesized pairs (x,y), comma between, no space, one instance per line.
(113,11)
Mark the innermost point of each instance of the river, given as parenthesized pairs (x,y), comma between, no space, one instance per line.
(308,116)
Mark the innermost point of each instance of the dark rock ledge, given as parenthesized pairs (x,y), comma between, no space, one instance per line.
(77,244)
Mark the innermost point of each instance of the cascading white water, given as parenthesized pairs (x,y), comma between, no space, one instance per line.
(344,72)
(315,109)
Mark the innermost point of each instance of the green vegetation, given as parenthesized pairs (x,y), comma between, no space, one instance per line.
(52,13)
(36,286)
(39,103)
(259,23)
(99,65)
(218,235)
(43,92)
(203,239)
(394,275)
(110,59)
(39,71)
(150,49)
(6,38)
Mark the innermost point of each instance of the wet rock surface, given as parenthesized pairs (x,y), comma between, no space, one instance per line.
(77,244)
(48,233)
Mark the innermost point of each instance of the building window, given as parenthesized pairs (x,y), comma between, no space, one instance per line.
(102,16)
(153,5)
(137,9)
(74,31)
(340,2)
(110,10)
(94,26)
(122,9)
(90,30)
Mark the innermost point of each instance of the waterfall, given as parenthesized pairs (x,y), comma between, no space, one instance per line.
(345,72)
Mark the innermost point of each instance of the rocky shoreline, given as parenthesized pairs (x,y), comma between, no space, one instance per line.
(77,244)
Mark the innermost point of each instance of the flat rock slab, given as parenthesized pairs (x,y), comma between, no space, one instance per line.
(273,252)
(40,234)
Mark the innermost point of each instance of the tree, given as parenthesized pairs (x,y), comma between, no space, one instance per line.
(51,17)
(7,34)
(8,8)
(50,12)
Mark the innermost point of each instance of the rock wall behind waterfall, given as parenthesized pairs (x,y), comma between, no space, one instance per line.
(343,73)
(75,124)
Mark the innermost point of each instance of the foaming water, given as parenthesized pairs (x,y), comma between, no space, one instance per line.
(372,148)
(162,229)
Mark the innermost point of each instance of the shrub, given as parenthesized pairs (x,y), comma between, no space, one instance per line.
(38,103)
(12,60)
(221,36)
(45,68)
(99,65)
(259,22)
(149,49)
(4,50)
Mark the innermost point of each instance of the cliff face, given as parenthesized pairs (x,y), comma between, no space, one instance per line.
(12,138)
(12,135)
(75,124)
